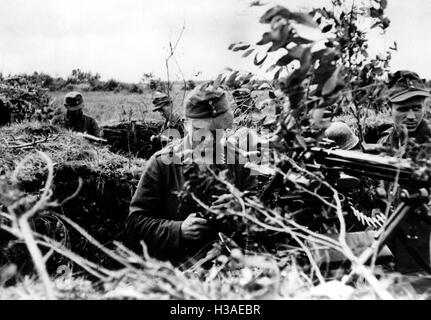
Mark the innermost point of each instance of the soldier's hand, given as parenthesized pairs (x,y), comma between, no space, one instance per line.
(222,201)
(193,227)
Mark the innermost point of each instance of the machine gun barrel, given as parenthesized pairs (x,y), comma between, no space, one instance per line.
(374,166)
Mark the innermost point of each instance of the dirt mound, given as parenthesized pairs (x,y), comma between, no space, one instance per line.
(108,179)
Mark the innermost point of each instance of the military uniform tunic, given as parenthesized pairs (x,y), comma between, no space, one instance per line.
(154,216)
(391,138)
(81,124)
(410,242)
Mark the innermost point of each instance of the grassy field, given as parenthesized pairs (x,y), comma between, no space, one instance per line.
(110,106)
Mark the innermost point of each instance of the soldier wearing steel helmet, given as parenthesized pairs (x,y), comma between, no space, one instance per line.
(343,136)
(75,119)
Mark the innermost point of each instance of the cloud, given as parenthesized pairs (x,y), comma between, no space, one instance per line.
(125,38)
(63,18)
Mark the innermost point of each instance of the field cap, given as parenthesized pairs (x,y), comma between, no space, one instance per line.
(73,101)
(342,135)
(160,100)
(405,85)
(208,108)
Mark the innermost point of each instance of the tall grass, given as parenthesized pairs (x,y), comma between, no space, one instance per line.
(232,276)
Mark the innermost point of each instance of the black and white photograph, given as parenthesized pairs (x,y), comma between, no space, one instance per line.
(215,154)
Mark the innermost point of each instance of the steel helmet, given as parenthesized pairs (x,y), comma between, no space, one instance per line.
(342,135)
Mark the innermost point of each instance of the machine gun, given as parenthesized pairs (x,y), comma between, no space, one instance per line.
(414,195)
(373,166)
(357,164)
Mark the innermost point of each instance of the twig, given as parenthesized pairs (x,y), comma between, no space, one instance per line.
(44,198)
(87,265)
(75,194)
(171,54)
(23,230)
(96,243)
(357,264)
(26,145)
(268,227)
(27,234)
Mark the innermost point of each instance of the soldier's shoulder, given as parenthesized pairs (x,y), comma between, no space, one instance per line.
(89,118)
(428,125)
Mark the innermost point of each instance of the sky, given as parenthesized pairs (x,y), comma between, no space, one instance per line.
(123,39)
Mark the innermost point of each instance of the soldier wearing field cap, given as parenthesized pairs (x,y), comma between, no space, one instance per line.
(407,99)
(408,96)
(75,119)
(170,232)
(163,104)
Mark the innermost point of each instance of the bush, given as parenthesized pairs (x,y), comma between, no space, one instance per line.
(58,84)
(189,85)
(110,85)
(157,85)
(81,81)
(39,79)
(23,100)
(99,86)
(78,77)
(134,88)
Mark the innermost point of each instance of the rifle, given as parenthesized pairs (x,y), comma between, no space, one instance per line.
(91,138)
